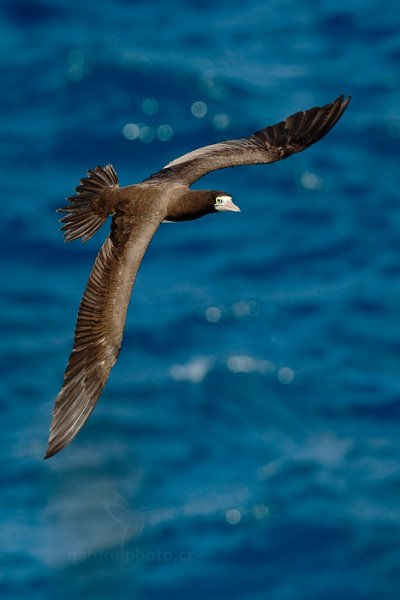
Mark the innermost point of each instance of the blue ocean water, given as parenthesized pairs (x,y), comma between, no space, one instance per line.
(247,443)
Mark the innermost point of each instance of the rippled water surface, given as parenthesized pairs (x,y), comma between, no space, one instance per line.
(247,443)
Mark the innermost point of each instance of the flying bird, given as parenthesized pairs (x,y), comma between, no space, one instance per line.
(137,211)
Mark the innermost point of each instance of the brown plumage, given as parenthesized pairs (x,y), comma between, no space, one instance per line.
(137,212)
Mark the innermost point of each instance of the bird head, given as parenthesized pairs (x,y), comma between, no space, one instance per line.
(223,202)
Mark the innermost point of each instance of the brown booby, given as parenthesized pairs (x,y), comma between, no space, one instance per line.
(137,212)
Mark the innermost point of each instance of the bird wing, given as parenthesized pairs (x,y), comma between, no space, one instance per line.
(268,145)
(100,323)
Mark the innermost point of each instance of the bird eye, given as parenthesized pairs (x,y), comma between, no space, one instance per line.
(219,200)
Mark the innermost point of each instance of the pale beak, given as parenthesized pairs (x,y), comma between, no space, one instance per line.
(227,205)
(232,206)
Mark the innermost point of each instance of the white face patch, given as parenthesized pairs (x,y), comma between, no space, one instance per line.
(224,203)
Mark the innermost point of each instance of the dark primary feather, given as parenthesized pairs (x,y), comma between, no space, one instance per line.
(100,325)
(268,145)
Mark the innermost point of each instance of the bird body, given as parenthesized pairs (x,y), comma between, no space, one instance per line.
(137,211)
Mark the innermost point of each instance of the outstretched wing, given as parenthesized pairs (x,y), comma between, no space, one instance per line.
(100,324)
(268,145)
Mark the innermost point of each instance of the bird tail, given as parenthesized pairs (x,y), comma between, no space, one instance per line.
(91,205)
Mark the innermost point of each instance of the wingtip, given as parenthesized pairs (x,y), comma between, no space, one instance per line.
(343,100)
(53,447)
(49,452)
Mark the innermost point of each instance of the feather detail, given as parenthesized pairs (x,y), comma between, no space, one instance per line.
(91,205)
(276,142)
(100,324)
